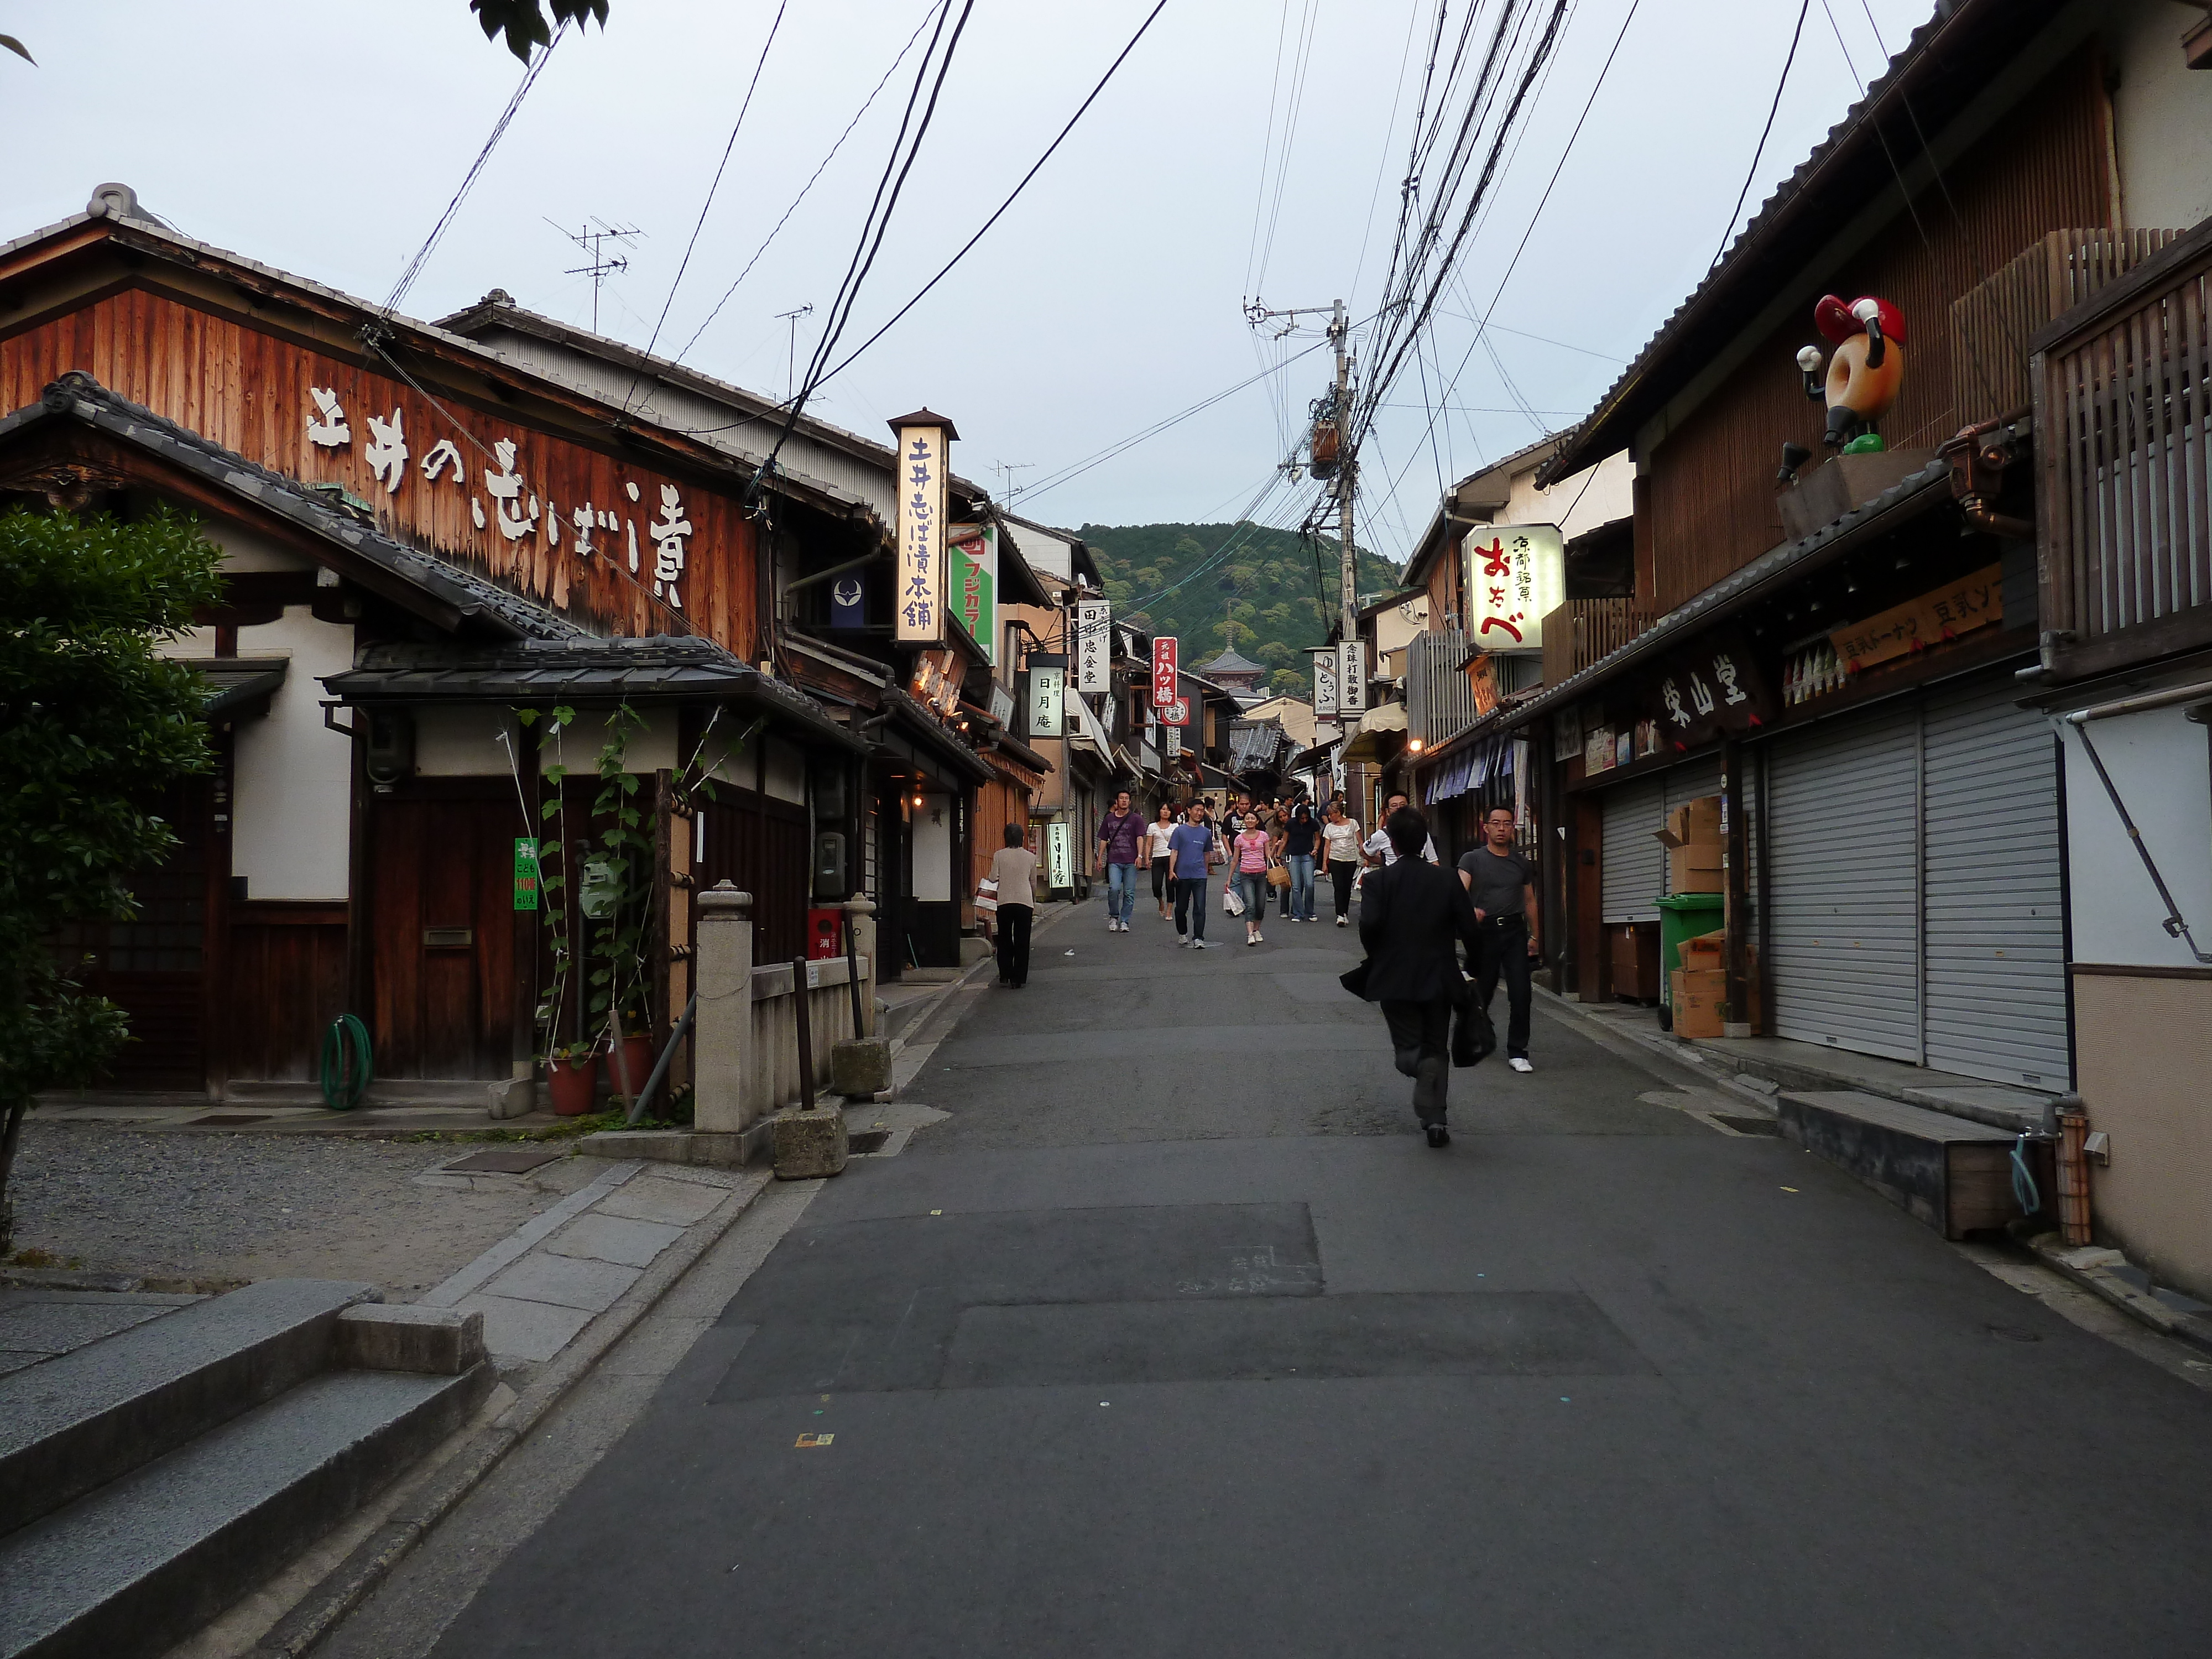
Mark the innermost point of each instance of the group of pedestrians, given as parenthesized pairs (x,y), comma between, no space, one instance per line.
(1273,853)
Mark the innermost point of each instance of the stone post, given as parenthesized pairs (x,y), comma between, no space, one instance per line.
(722,1039)
(860,1066)
(861,917)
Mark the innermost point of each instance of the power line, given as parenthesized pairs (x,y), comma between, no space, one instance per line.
(1009,202)
(1804,6)
(721,167)
(866,103)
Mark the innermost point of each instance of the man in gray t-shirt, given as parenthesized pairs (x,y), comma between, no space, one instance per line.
(1503,886)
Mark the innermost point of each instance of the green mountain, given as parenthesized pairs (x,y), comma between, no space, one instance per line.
(1264,591)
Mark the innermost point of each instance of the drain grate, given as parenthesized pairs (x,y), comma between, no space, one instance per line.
(501,1160)
(1749,1125)
(227,1120)
(867,1141)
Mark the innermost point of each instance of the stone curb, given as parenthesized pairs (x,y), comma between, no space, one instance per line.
(350,1584)
(2089,1266)
(84,1278)
(1675,1051)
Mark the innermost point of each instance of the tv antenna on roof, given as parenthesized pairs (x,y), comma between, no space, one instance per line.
(1005,470)
(791,353)
(594,239)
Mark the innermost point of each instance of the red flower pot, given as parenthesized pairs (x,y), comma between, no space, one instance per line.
(570,1084)
(637,1056)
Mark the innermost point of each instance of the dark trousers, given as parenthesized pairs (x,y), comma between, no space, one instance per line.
(1014,943)
(1190,906)
(1162,879)
(1340,872)
(1420,1043)
(1505,949)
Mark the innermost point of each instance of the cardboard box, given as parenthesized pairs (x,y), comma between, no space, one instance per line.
(1695,868)
(1694,822)
(1706,952)
(1698,995)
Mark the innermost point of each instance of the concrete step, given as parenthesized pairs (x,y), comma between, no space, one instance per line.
(1952,1174)
(79,1420)
(137,1565)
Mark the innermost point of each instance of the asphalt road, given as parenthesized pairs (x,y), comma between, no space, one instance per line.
(1175,1339)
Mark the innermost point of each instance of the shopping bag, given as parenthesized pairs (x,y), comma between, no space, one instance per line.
(1232,901)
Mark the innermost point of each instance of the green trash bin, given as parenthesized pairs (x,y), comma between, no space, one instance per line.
(1684,916)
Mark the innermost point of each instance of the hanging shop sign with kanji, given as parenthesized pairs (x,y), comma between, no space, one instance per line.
(1515,576)
(1919,624)
(975,584)
(1094,642)
(1706,691)
(1047,699)
(1324,681)
(1163,671)
(1352,676)
(918,592)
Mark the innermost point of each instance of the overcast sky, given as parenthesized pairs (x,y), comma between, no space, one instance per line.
(325,139)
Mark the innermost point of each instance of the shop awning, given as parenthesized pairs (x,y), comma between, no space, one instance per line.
(1373,743)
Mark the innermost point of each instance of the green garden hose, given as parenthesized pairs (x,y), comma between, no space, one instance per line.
(348,1065)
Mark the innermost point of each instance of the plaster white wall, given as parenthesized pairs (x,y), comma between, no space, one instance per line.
(2161,117)
(787,772)
(294,776)
(243,550)
(1582,500)
(932,849)
(1048,555)
(2158,761)
(463,742)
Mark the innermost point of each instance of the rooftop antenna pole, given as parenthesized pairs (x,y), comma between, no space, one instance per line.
(1005,470)
(594,239)
(791,353)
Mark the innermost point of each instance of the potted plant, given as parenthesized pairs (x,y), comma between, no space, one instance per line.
(572,1077)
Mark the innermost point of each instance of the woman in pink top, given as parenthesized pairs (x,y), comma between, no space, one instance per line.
(1252,855)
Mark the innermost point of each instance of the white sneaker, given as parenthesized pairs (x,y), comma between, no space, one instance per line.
(1343,921)
(1183,941)
(1519,1064)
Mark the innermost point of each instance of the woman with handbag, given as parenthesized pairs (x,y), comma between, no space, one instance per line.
(1255,858)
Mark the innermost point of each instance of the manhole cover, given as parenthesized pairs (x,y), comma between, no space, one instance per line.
(227,1120)
(1749,1125)
(868,1140)
(501,1160)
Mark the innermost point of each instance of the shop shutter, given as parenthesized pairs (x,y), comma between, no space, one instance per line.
(1634,868)
(1693,779)
(1843,830)
(1996,950)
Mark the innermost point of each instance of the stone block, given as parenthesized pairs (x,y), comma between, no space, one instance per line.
(379,1337)
(671,1203)
(515,1329)
(809,1144)
(860,1066)
(513,1096)
(617,1239)
(564,1281)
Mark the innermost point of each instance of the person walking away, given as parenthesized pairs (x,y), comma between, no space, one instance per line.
(1191,845)
(1339,835)
(1014,868)
(1162,860)
(1413,915)
(1379,849)
(1120,847)
(1300,841)
(1253,852)
(1502,886)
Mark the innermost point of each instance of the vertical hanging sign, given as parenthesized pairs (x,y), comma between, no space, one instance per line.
(526,873)
(1093,636)
(975,584)
(918,599)
(1163,671)
(1352,676)
(1324,682)
(1047,699)
(1059,854)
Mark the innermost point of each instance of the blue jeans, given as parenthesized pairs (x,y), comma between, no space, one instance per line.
(1302,884)
(1253,884)
(1121,891)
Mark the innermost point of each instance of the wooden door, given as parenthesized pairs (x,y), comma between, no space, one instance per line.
(441,907)
(154,968)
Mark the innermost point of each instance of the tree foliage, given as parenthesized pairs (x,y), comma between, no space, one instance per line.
(94,724)
(524,23)
(1264,598)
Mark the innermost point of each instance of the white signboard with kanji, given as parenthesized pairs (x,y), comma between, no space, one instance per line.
(918,601)
(1047,701)
(1094,656)
(1517,576)
(1352,675)
(1324,682)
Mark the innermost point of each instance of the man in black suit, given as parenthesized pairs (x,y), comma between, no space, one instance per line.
(1410,913)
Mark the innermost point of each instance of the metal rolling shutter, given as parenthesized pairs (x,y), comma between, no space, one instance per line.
(1845,884)
(1996,932)
(1634,868)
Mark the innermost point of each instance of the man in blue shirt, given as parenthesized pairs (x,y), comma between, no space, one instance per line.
(1190,847)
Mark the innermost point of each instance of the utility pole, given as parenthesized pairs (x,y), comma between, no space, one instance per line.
(1348,467)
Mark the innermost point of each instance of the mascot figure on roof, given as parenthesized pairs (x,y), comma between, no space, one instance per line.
(1864,372)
